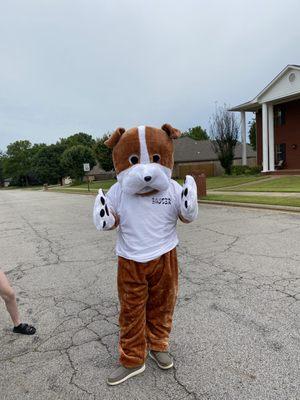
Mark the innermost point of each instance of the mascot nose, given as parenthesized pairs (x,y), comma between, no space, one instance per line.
(147,178)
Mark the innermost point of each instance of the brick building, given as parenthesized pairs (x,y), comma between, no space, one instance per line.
(277,109)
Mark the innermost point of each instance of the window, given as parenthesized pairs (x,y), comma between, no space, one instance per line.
(280,152)
(279,115)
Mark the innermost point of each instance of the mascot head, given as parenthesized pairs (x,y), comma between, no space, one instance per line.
(143,157)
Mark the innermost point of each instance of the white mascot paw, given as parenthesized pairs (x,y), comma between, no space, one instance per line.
(189,200)
(103,217)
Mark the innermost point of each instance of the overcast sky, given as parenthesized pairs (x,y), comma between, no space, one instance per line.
(70,66)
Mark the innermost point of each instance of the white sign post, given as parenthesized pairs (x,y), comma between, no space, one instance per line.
(87,168)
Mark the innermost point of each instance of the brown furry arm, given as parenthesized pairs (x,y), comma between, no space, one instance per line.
(117,220)
(185,221)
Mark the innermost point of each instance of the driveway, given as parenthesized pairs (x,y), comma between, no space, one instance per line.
(237,323)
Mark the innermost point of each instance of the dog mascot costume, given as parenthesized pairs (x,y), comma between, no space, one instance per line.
(144,205)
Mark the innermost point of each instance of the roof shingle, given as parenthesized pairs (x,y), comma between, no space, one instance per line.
(187,149)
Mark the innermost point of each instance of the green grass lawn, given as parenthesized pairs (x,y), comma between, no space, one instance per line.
(212,183)
(105,184)
(279,201)
(216,182)
(278,184)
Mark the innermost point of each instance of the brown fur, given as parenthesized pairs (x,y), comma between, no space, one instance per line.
(126,143)
(172,132)
(147,295)
(158,142)
(114,138)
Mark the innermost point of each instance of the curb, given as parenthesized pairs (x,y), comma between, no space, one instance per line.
(252,205)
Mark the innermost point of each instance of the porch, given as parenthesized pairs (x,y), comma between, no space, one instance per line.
(277,109)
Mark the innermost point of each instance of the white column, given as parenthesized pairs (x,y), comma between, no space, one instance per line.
(271,138)
(265,149)
(243,131)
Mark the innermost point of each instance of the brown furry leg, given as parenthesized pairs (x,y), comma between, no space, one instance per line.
(133,292)
(162,289)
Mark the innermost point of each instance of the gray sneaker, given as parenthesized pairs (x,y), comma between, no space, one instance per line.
(121,374)
(162,359)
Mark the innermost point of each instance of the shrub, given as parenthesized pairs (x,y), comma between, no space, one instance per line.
(256,170)
(245,170)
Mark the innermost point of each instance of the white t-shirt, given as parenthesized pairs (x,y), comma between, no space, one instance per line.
(147,227)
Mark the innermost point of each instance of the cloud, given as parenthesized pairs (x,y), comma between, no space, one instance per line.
(69,66)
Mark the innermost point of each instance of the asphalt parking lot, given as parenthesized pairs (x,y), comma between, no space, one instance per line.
(236,331)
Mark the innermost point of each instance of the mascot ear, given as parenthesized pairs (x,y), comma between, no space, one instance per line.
(114,138)
(173,133)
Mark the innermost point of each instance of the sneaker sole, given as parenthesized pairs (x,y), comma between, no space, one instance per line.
(160,365)
(134,373)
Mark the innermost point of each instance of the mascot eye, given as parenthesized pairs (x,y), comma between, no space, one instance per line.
(133,159)
(156,158)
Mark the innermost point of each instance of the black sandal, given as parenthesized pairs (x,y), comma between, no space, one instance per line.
(25,329)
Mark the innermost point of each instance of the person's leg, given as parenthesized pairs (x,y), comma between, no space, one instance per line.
(133,291)
(8,295)
(163,288)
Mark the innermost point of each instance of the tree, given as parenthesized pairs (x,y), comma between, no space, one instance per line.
(46,164)
(103,154)
(252,133)
(73,158)
(224,129)
(2,161)
(196,133)
(18,161)
(78,139)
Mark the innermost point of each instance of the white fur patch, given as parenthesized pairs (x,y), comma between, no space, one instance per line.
(132,179)
(144,157)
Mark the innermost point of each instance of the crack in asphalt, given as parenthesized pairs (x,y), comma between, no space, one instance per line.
(206,274)
(74,373)
(194,395)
